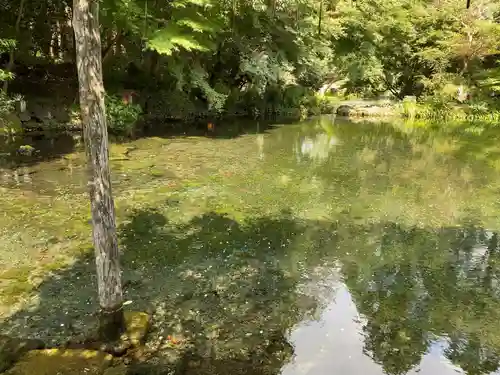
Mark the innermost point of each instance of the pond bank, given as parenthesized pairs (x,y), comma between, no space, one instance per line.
(128,118)
(26,357)
(148,124)
(376,109)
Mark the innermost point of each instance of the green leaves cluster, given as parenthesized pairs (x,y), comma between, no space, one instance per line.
(5,46)
(398,45)
(213,50)
(230,54)
(121,118)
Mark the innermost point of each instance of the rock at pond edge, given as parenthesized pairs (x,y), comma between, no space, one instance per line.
(137,324)
(344,110)
(121,369)
(62,362)
(364,110)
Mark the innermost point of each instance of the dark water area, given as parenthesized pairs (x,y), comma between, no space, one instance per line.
(324,247)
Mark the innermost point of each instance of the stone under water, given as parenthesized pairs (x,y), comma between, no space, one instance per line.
(137,325)
(28,355)
(62,362)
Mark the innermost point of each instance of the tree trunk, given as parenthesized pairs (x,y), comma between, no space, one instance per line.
(89,65)
(113,41)
(320,17)
(10,64)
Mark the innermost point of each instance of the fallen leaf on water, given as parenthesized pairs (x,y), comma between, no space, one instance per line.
(173,340)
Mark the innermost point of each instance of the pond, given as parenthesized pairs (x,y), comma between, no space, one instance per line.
(323,247)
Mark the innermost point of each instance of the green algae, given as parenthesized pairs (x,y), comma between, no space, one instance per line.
(11,349)
(202,241)
(229,176)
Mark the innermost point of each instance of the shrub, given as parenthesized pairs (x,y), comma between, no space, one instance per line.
(121,117)
(6,104)
(9,121)
(293,96)
(327,104)
(174,105)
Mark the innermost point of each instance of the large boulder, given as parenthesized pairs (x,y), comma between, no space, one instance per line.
(345,110)
(368,110)
(42,113)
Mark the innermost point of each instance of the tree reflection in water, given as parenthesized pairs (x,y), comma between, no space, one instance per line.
(415,286)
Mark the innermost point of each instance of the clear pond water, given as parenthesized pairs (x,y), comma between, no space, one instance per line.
(325,247)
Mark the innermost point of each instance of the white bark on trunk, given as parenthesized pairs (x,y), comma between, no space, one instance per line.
(89,66)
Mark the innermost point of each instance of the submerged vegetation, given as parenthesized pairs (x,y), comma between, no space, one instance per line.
(241,239)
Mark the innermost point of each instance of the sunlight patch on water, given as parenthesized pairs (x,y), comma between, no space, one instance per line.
(334,344)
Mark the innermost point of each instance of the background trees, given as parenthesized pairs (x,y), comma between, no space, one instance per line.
(256,57)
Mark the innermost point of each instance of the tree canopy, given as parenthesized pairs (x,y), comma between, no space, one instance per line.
(254,56)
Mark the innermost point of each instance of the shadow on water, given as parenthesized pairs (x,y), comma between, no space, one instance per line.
(29,149)
(231,293)
(225,290)
(222,129)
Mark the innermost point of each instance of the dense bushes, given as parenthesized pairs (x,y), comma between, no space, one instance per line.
(121,117)
(9,123)
(191,59)
(276,102)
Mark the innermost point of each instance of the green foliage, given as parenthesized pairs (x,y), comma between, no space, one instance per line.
(168,40)
(121,117)
(5,76)
(5,46)
(321,104)
(403,45)
(170,105)
(232,56)
(6,104)
(187,29)
(263,58)
(9,122)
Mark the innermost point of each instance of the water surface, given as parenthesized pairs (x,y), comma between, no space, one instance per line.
(324,247)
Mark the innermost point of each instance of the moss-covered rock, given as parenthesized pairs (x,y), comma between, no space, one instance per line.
(137,324)
(365,110)
(62,362)
(120,369)
(345,110)
(157,172)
